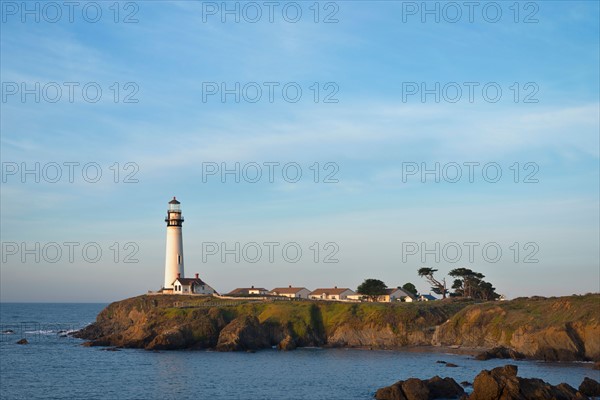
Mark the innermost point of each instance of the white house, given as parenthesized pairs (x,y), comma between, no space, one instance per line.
(404,295)
(410,298)
(248,291)
(191,286)
(396,294)
(292,292)
(334,293)
(356,297)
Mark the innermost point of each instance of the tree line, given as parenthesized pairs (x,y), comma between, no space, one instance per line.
(467,284)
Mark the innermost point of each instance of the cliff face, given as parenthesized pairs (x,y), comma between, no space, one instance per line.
(154,322)
(565,328)
(556,329)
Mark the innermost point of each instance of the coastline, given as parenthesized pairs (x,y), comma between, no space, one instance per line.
(508,329)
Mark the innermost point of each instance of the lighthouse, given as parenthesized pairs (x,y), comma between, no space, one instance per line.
(174,253)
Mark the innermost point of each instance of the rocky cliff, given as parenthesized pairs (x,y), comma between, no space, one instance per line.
(551,329)
(176,322)
(560,328)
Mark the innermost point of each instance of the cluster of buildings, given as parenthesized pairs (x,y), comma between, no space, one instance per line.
(176,283)
(198,286)
(334,293)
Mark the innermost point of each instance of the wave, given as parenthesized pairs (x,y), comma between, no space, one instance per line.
(61,332)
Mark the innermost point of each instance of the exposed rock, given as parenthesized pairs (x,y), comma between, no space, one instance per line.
(553,329)
(393,392)
(491,385)
(243,333)
(23,341)
(370,336)
(444,388)
(110,349)
(8,332)
(590,387)
(170,340)
(466,383)
(596,365)
(440,362)
(288,343)
(451,365)
(499,352)
(502,383)
(417,389)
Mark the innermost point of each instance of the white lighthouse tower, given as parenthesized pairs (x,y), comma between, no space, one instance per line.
(174,254)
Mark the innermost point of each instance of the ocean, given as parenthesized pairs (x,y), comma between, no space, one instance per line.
(56,366)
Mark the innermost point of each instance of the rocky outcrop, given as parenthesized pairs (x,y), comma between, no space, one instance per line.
(417,389)
(364,336)
(243,333)
(288,343)
(499,352)
(171,339)
(590,387)
(23,341)
(550,329)
(554,329)
(500,383)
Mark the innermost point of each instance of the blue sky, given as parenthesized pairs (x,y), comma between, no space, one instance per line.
(371,135)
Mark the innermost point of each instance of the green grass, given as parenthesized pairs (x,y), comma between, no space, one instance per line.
(533,312)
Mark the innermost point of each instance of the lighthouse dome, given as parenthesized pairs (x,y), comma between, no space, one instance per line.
(174,205)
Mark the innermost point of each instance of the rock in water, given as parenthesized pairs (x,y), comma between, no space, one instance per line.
(23,341)
(417,389)
(393,392)
(590,387)
(490,385)
(444,388)
(499,352)
(502,383)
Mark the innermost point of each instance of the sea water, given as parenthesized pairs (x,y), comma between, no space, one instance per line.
(55,366)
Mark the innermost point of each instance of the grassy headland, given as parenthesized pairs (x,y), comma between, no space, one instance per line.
(562,328)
